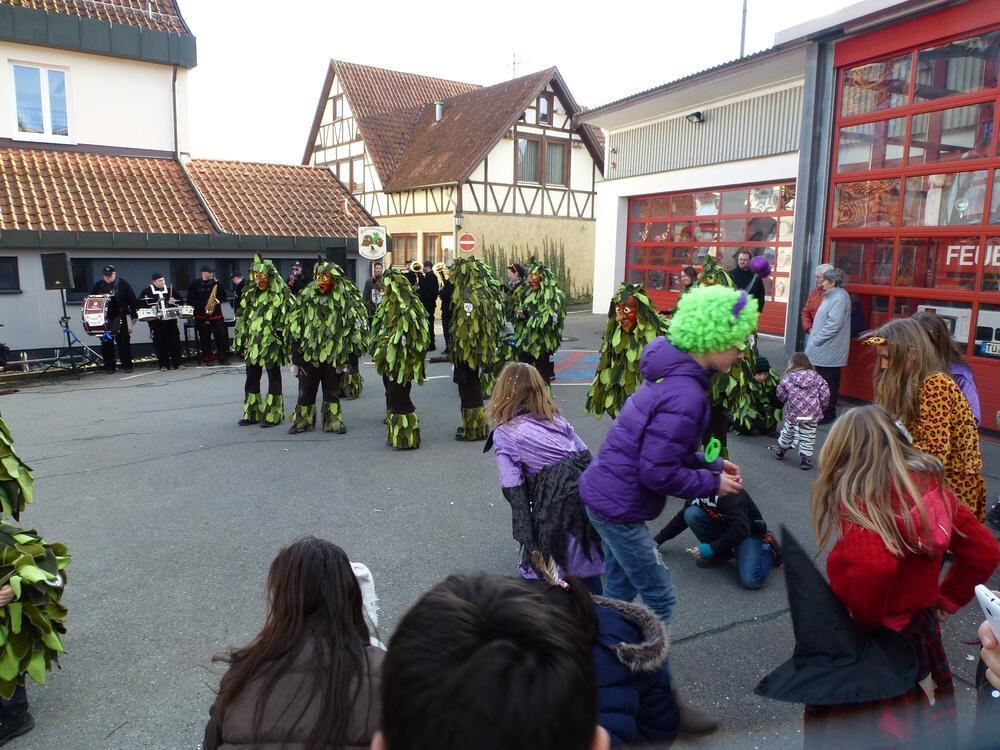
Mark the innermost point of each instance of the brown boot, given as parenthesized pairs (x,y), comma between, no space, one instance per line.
(693,721)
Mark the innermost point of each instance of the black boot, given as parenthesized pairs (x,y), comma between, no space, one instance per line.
(15,725)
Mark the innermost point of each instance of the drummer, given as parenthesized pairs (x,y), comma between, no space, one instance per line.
(122,307)
(164,332)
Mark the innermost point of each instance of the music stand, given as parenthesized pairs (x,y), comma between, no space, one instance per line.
(87,354)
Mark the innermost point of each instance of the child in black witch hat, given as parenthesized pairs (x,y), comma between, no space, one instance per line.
(894,519)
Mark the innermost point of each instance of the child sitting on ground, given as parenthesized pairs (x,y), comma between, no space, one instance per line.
(540,458)
(805,395)
(728,527)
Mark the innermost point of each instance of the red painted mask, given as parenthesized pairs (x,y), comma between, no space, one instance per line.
(626,313)
(262,280)
(534,280)
(324,282)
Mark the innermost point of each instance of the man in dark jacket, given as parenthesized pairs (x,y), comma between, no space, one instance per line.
(428,292)
(447,290)
(122,307)
(745,279)
(238,283)
(297,282)
(373,288)
(728,527)
(209,322)
(165,335)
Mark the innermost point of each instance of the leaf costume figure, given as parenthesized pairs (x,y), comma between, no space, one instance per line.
(632,323)
(262,336)
(324,330)
(731,393)
(538,320)
(36,572)
(399,343)
(17,487)
(476,332)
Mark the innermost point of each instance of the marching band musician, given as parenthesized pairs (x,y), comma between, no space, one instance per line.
(296,282)
(165,334)
(206,296)
(123,306)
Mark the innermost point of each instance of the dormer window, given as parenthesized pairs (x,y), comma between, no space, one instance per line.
(544,109)
(40,101)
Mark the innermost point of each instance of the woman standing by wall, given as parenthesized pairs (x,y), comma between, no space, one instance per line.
(830,339)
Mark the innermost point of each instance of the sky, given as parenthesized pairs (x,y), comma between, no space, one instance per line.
(261,63)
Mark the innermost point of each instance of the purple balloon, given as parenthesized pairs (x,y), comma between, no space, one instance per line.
(760,266)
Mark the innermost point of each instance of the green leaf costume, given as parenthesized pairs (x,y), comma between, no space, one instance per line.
(262,337)
(538,320)
(30,625)
(399,343)
(477,326)
(328,332)
(617,375)
(17,488)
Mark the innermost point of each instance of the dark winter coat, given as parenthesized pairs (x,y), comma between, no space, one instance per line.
(372,284)
(652,448)
(739,512)
(123,300)
(428,291)
(446,293)
(634,692)
(281,727)
(753,286)
(199,292)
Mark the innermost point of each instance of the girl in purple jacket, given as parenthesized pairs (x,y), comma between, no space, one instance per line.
(805,395)
(540,458)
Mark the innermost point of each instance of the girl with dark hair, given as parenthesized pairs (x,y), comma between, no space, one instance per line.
(309,680)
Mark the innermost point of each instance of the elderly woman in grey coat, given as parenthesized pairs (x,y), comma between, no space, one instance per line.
(829,344)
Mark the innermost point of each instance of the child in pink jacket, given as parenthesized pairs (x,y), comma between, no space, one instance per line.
(805,395)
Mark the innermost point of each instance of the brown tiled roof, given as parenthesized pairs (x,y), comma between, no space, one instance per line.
(386,104)
(165,16)
(278,200)
(447,151)
(75,192)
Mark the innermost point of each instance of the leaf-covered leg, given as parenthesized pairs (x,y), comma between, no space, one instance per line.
(253,404)
(351,385)
(303,419)
(403,430)
(333,418)
(273,411)
(474,424)
(17,488)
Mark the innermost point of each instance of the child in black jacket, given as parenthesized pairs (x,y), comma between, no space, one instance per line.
(728,527)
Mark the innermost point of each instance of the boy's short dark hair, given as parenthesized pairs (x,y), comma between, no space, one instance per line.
(488,663)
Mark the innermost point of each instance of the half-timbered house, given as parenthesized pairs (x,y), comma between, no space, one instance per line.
(434,160)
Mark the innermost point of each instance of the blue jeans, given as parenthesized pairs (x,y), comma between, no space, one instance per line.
(633,566)
(753,557)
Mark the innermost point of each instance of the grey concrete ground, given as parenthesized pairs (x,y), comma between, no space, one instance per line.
(173,514)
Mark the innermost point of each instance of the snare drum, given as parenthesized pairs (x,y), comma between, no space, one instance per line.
(170,313)
(95,313)
(147,314)
(186,311)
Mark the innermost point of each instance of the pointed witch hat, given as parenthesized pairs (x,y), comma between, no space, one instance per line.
(833,662)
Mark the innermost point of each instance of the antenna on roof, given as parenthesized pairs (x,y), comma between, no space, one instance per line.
(743,29)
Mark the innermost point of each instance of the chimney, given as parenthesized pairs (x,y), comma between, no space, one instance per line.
(438,111)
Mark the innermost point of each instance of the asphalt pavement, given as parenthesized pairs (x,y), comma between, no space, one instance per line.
(173,513)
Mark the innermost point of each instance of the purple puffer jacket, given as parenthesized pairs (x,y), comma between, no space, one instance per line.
(652,448)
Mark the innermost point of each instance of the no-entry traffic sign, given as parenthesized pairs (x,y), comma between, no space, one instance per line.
(467,242)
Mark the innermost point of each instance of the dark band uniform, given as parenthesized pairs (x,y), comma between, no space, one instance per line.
(123,305)
(209,326)
(165,334)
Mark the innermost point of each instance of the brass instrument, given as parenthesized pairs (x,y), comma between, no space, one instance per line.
(416,266)
(212,302)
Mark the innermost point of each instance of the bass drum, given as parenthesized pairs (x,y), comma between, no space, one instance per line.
(95,313)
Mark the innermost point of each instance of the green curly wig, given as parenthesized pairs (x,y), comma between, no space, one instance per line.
(712,319)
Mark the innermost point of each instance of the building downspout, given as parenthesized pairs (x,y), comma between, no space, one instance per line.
(181,159)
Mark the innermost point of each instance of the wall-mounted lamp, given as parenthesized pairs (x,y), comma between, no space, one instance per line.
(459,220)
(696,117)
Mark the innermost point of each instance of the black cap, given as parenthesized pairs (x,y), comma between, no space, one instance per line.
(296,263)
(207,269)
(236,273)
(761,364)
(109,269)
(157,276)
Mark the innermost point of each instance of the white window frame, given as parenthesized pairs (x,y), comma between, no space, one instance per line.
(47,136)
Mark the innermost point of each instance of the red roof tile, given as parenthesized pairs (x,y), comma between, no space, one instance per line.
(447,151)
(63,191)
(278,200)
(161,15)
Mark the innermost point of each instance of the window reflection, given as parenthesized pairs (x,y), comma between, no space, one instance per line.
(945,199)
(950,134)
(958,67)
(868,261)
(874,145)
(872,203)
(876,86)
(991,265)
(956,315)
(938,263)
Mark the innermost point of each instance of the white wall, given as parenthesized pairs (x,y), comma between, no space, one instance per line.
(612,207)
(112,102)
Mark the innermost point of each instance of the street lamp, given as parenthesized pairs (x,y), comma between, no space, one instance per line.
(459,220)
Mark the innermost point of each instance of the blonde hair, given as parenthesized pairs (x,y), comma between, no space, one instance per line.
(799,361)
(897,387)
(867,478)
(520,389)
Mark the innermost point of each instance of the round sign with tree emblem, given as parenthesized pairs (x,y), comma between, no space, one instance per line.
(372,242)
